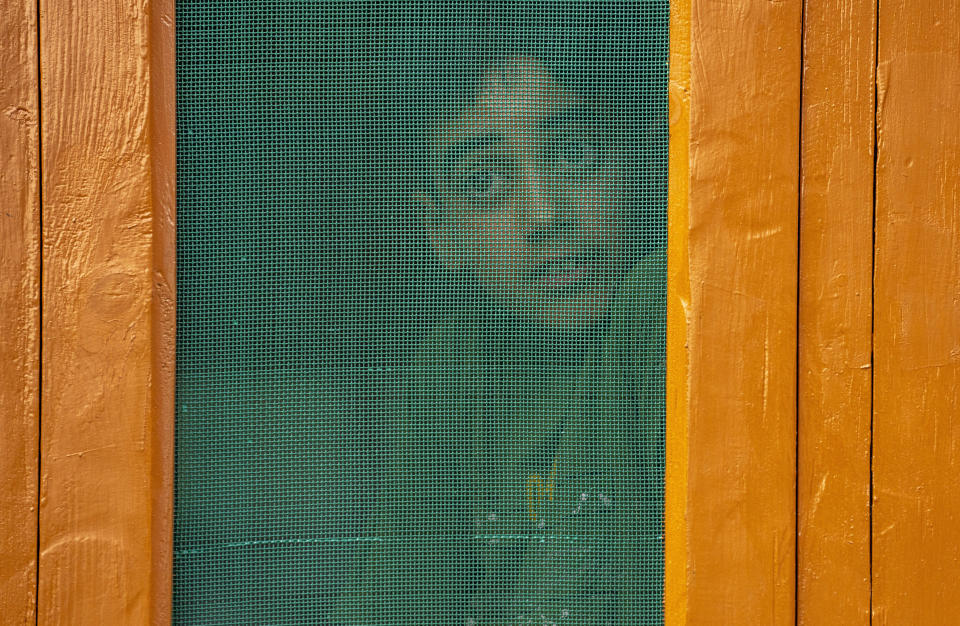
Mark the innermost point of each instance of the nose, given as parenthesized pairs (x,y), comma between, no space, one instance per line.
(540,201)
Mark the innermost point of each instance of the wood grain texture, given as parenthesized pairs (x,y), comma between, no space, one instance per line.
(738,293)
(916,462)
(835,309)
(678,309)
(106,453)
(163,304)
(20,310)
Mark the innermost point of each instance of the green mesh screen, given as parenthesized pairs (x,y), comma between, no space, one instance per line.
(421,298)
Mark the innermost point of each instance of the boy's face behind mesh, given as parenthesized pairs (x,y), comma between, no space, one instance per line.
(533,195)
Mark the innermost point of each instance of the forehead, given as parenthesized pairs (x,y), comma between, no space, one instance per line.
(514,96)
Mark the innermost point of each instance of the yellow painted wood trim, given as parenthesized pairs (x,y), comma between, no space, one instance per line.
(678,306)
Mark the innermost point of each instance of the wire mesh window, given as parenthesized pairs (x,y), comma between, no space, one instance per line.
(421,301)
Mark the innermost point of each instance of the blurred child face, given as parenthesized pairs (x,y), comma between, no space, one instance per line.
(528,194)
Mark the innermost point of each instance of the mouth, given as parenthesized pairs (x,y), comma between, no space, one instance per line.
(565,270)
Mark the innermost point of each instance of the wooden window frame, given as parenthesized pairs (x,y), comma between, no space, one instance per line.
(812,351)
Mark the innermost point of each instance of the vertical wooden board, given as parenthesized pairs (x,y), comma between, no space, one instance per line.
(916,462)
(678,310)
(740,316)
(20,310)
(107,136)
(835,309)
(163,305)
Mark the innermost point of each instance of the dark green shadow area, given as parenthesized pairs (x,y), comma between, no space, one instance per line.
(308,290)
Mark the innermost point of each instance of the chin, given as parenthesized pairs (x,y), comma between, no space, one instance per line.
(568,307)
(581,311)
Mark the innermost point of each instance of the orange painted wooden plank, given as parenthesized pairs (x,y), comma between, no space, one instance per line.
(916,454)
(835,309)
(734,297)
(20,310)
(163,305)
(106,430)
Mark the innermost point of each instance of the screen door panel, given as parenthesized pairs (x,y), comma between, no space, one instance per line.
(420,312)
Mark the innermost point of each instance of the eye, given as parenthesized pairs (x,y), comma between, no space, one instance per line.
(482,183)
(479,182)
(575,153)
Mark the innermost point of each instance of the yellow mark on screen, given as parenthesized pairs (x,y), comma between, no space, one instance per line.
(539,490)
